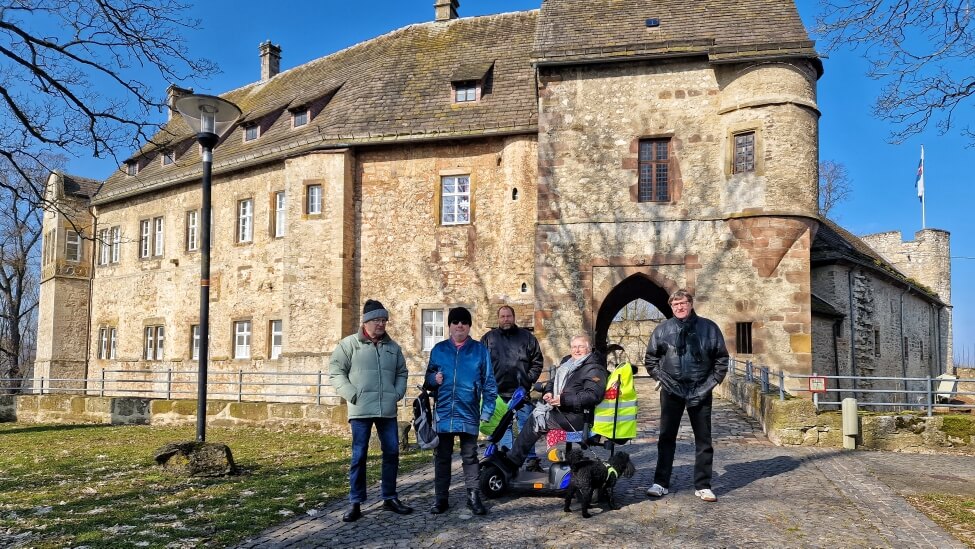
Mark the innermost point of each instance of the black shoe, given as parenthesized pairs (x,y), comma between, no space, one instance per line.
(439,507)
(353,514)
(534,465)
(397,506)
(474,502)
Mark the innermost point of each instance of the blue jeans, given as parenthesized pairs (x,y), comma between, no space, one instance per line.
(388,431)
(521,416)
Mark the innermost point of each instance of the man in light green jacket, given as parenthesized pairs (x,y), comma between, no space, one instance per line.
(369,371)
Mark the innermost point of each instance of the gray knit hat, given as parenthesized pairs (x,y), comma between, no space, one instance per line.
(373,309)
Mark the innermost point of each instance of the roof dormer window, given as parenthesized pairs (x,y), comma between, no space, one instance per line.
(131,167)
(466,91)
(251,132)
(299,117)
(469,83)
(168,158)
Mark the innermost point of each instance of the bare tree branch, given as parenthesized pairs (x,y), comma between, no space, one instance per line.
(74,79)
(834,186)
(922,50)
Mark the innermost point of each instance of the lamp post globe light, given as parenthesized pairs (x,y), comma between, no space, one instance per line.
(210,117)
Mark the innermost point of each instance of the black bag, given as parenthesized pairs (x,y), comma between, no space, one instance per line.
(423,426)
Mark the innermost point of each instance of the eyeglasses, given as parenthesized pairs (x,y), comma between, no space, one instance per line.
(676,304)
(460,322)
(379,321)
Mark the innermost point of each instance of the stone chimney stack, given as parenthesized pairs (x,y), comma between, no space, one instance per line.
(446,9)
(174,92)
(270,60)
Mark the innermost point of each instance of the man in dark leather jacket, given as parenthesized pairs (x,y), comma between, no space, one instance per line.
(570,397)
(517,362)
(688,357)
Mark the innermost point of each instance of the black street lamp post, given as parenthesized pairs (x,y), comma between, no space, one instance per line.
(210,117)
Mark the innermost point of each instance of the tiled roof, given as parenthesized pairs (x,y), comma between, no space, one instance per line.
(834,243)
(80,186)
(590,30)
(820,306)
(392,88)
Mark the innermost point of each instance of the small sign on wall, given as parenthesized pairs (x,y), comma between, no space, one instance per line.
(817,384)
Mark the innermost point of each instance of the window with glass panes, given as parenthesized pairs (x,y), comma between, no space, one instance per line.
(242,339)
(276,338)
(433,328)
(116,243)
(654,170)
(313,199)
(744,152)
(145,237)
(455,200)
(299,118)
(157,248)
(72,247)
(245,220)
(104,247)
(192,230)
(195,342)
(153,346)
(279,214)
(465,91)
(251,132)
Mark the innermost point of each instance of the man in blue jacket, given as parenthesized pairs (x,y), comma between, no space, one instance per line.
(460,371)
(369,371)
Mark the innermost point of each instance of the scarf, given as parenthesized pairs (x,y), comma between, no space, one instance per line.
(563,372)
(687,340)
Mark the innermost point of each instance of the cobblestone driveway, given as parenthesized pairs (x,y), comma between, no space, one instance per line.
(768,496)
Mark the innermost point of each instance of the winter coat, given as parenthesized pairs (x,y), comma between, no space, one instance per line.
(370,377)
(515,357)
(686,375)
(583,390)
(468,392)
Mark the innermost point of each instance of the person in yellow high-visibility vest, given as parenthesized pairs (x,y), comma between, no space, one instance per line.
(616,414)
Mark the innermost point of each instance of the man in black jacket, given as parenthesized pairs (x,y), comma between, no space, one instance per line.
(517,362)
(688,357)
(570,397)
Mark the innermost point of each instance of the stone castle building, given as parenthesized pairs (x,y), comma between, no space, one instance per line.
(566,161)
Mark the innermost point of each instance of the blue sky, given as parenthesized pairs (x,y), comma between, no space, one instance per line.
(882,174)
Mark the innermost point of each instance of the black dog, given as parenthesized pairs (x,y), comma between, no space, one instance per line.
(590,474)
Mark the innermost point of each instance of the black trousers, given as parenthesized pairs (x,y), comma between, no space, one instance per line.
(441,462)
(671,412)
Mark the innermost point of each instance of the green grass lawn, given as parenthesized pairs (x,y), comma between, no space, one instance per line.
(97,486)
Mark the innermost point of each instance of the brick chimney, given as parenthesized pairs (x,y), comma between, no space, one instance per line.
(270,60)
(174,92)
(446,9)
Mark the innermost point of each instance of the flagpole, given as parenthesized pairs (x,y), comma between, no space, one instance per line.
(919,183)
(923,226)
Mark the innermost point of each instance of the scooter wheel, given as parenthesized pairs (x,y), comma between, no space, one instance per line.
(493,482)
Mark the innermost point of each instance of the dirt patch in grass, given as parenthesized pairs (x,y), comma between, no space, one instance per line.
(97,486)
(955,514)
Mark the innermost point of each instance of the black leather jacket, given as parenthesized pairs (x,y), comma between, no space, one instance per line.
(684,375)
(583,390)
(515,357)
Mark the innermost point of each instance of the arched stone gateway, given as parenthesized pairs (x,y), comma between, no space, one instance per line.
(637,286)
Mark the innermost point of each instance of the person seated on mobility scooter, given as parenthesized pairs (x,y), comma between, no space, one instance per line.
(568,403)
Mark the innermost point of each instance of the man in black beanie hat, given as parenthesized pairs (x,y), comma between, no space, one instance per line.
(369,371)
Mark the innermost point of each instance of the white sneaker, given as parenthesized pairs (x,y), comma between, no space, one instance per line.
(705,495)
(657,491)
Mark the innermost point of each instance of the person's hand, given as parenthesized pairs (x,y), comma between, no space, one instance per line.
(656,386)
(438,378)
(547,397)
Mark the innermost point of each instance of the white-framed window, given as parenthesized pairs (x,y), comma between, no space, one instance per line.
(299,118)
(455,200)
(145,227)
(104,247)
(72,246)
(107,336)
(280,214)
(192,230)
(195,342)
(168,157)
(433,327)
(116,233)
(242,339)
(251,132)
(131,167)
(153,347)
(245,220)
(275,338)
(465,91)
(112,341)
(313,199)
(158,233)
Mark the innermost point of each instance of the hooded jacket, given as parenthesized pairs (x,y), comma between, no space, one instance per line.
(515,357)
(371,377)
(583,390)
(468,393)
(694,373)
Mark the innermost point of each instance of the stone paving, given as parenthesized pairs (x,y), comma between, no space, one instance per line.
(768,496)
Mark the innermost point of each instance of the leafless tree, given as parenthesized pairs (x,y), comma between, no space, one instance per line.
(20,232)
(834,186)
(76,77)
(923,51)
